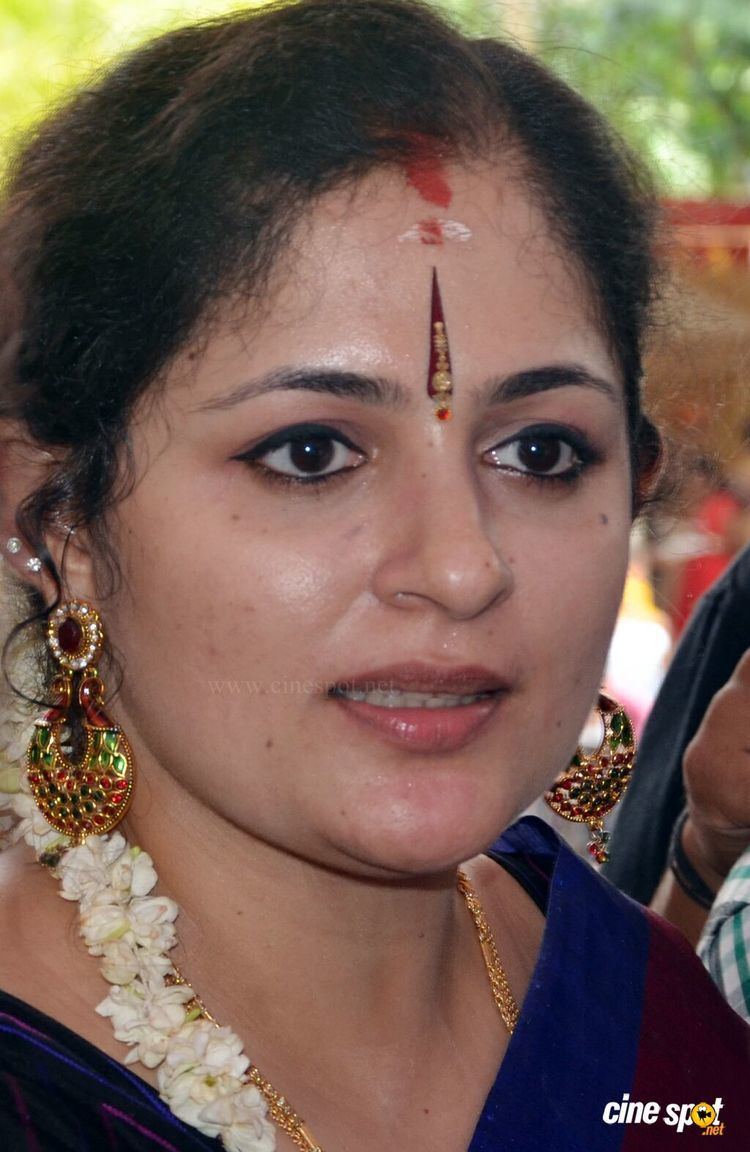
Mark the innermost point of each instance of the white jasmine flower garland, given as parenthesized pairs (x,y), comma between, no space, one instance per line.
(200,1066)
(20,819)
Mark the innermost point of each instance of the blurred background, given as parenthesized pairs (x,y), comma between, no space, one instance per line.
(674,77)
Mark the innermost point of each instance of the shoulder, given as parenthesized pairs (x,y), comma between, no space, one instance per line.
(58,1093)
(514,915)
(44,963)
(685,1015)
(677,1004)
(728,595)
(31,918)
(62,1086)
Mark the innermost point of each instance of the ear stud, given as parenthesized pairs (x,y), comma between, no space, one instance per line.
(13,546)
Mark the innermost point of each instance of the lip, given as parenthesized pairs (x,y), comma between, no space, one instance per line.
(423,729)
(430,730)
(416,676)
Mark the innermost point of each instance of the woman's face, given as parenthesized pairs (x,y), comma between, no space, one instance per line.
(302,521)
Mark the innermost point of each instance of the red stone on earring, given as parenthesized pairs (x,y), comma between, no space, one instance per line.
(444,414)
(70,636)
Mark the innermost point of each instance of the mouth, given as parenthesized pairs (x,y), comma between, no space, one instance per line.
(422,709)
(398,698)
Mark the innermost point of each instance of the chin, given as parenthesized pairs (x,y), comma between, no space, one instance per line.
(428,828)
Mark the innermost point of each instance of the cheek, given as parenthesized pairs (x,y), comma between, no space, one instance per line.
(228,595)
(569,585)
(233,620)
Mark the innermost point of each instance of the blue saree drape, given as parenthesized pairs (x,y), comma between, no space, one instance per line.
(619,1012)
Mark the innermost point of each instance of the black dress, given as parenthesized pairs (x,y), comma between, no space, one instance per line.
(717,636)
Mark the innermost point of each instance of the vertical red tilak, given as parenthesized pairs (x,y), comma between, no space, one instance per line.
(439,376)
(425,171)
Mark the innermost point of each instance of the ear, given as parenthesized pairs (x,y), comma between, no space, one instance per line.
(649,463)
(24,468)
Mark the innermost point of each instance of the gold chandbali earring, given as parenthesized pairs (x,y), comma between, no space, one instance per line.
(440,376)
(592,784)
(91,794)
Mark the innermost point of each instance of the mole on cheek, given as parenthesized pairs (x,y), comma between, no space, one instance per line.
(603,518)
(269,743)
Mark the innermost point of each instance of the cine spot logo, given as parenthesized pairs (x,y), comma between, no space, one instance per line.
(679,1116)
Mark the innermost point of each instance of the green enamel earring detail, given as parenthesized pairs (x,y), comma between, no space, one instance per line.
(592,784)
(87,795)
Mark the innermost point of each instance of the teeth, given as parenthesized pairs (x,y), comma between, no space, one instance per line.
(396,699)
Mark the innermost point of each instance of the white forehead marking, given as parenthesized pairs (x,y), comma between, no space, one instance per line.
(435,231)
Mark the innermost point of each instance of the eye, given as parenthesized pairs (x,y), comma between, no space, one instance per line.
(543,453)
(305,454)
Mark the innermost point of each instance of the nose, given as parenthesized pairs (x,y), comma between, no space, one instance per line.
(442,548)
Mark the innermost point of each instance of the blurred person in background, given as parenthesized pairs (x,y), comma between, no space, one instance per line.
(642,640)
(685,820)
(700,543)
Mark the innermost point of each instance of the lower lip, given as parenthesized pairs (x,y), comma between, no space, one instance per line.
(423,729)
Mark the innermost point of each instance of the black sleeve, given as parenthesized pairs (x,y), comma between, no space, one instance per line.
(716,637)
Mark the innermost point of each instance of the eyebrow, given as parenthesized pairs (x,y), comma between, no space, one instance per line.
(519,385)
(376,390)
(381,391)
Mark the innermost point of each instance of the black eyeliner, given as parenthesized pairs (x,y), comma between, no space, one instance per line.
(295,432)
(586,452)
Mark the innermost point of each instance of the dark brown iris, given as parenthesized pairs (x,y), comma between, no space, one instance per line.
(312,454)
(540,454)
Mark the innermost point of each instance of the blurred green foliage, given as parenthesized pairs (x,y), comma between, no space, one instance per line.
(673,75)
(48,47)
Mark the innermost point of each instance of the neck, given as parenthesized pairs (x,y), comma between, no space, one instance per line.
(269,939)
(364,999)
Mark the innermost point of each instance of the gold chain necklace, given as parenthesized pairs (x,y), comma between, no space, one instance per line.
(281,1112)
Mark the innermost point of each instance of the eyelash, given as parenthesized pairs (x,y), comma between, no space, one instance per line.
(298,434)
(587,455)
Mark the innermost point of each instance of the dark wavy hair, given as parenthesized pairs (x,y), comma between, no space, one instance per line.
(172,184)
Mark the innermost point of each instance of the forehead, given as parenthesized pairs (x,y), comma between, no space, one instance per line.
(380,240)
(352,289)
